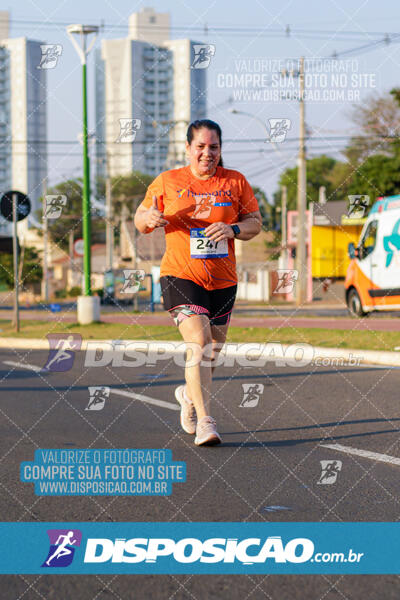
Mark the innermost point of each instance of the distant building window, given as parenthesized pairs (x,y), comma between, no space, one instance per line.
(152,19)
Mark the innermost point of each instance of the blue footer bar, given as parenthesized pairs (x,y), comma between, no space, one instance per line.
(199,548)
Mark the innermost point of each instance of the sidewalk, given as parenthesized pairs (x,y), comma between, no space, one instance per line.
(259,321)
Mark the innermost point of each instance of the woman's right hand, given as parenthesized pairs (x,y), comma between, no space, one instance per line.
(154,217)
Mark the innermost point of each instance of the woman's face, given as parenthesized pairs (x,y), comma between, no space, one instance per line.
(204,152)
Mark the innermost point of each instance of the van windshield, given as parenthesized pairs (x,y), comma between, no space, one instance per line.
(368,241)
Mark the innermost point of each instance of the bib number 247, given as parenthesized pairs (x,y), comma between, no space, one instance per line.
(202,247)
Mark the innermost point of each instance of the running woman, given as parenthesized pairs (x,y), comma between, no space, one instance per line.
(203,207)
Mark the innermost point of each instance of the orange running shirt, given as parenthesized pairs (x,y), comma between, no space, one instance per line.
(188,203)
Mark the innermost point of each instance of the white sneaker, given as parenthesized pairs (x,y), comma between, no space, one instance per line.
(188,411)
(206,432)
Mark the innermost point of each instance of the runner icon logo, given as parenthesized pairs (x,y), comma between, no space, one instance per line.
(251,394)
(62,547)
(286,280)
(202,55)
(97,397)
(128,130)
(204,204)
(50,55)
(133,277)
(330,470)
(278,129)
(358,205)
(54,205)
(62,351)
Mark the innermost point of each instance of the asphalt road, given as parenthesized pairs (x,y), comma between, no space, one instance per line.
(267,468)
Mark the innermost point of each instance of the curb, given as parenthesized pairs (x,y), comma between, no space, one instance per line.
(282,354)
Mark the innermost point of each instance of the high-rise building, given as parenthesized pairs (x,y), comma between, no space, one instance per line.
(133,92)
(23,153)
(146,95)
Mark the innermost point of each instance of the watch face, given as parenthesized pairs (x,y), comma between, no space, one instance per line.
(236,229)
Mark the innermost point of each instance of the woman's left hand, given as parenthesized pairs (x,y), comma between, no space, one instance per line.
(219,231)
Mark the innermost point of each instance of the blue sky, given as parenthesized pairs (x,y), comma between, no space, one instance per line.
(316,30)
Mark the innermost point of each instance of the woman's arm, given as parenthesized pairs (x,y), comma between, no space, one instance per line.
(249,225)
(147,219)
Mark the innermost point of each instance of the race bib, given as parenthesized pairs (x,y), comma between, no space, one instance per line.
(202,247)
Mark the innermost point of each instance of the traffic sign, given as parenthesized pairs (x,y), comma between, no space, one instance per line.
(79,247)
(23,205)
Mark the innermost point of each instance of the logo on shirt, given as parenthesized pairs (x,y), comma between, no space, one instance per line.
(204,204)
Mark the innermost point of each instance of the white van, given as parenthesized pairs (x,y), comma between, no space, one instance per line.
(373,276)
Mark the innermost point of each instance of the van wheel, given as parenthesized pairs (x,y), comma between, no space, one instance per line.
(354,304)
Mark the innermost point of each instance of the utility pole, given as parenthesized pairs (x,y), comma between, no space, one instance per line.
(71,255)
(15,257)
(301,258)
(45,283)
(135,260)
(109,224)
(283,225)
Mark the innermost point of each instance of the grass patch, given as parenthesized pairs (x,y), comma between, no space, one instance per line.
(333,338)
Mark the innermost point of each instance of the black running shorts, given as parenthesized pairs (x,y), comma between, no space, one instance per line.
(184,298)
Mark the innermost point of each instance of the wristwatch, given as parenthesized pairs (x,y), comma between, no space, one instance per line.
(235,229)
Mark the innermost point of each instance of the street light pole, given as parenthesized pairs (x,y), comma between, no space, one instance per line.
(301,199)
(86,224)
(45,281)
(284,226)
(88,312)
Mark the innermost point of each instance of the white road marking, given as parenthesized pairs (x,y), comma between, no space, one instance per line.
(142,398)
(372,366)
(364,453)
(139,397)
(11,363)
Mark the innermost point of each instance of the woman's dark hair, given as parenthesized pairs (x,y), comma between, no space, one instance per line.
(208,124)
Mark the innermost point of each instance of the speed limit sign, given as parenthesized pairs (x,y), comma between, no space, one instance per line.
(79,247)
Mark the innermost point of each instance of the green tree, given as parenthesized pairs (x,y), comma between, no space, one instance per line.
(126,189)
(377,122)
(319,170)
(378,175)
(71,216)
(264,206)
(31,270)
